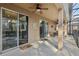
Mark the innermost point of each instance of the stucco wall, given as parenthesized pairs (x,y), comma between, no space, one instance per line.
(51,26)
(33,27)
(33,30)
(33,21)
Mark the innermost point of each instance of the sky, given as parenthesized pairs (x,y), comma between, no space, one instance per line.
(75,5)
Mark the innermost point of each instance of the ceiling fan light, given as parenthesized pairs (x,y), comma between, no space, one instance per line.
(38,10)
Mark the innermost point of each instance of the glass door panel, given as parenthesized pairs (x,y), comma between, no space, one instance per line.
(23,29)
(43,29)
(9,29)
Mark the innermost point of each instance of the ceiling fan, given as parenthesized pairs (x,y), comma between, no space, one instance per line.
(38,8)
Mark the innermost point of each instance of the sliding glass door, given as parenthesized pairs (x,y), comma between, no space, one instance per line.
(14,29)
(9,29)
(23,29)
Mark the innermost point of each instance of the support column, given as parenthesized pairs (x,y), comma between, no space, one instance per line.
(65,29)
(60,29)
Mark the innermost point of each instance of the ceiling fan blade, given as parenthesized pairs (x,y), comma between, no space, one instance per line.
(44,8)
(39,6)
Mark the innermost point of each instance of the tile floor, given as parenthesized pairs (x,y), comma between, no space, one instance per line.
(48,48)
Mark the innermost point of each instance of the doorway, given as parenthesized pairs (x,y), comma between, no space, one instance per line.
(43,29)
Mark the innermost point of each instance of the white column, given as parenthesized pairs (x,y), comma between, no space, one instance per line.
(60,29)
(65,29)
(17,29)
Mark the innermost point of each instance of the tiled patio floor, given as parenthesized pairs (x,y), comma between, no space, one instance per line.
(48,48)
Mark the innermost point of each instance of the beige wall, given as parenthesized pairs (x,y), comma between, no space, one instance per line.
(33,27)
(51,29)
(33,30)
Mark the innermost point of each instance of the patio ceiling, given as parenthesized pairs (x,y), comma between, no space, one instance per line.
(51,13)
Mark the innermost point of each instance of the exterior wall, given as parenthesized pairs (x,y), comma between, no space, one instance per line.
(33,30)
(50,28)
(33,22)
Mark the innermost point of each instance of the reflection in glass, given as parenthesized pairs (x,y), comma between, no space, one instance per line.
(23,29)
(9,29)
(43,29)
